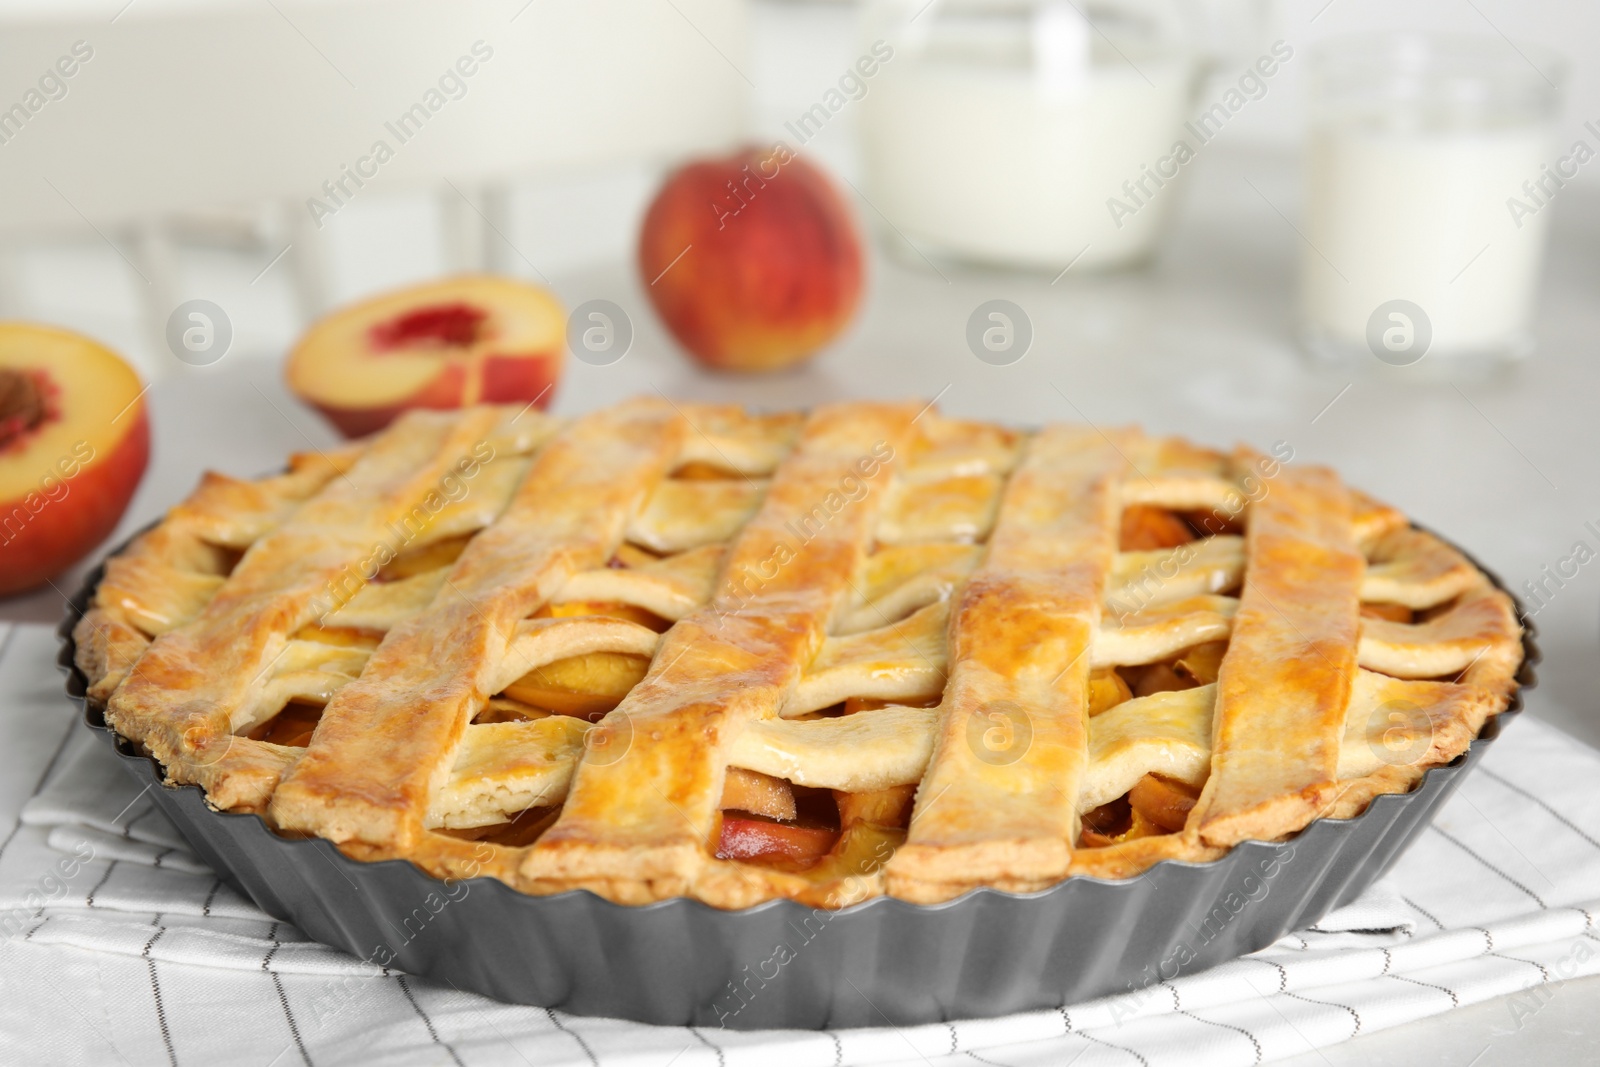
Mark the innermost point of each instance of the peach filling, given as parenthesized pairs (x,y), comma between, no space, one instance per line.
(700,471)
(1211,523)
(505,709)
(771,822)
(455,325)
(787,846)
(1145,529)
(1107,689)
(430,557)
(852,705)
(855,704)
(890,807)
(616,609)
(1196,667)
(523,829)
(590,685)
(1155,805)
(1391,612)
(292,727)
(758,794)
(347,636)
(586,687)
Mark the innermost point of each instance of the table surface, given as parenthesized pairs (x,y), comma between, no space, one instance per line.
(1198,343)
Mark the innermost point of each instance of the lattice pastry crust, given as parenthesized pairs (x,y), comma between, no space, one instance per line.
(668,650)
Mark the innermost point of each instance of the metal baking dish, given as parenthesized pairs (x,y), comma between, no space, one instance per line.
(784,965)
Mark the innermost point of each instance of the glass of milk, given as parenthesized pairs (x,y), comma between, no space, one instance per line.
(1025,133)
(1429,180)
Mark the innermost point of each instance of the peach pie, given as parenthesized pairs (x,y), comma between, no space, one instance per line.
(672,650)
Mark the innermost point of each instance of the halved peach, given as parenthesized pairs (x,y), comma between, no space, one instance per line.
(466,340)
(74,442)
(585,686)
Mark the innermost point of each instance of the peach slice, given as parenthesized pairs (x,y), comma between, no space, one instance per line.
(761,840)
(1165,802)
(585,686)
(1202,663)
(292,727)
(1154,806)
(74,442)
(889,807)
(466,340)
(1107,689)
(758,794)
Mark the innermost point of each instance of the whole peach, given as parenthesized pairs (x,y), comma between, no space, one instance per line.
(752,260)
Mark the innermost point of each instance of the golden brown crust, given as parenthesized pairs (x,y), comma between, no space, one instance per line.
(1128,858)
(1285,681)
(866,553)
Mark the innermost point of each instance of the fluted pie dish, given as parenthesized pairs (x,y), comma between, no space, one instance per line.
(679,651)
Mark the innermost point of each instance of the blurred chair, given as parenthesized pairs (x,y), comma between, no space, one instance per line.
(231,121)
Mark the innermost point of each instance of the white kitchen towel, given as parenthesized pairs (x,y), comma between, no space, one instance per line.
(119,946)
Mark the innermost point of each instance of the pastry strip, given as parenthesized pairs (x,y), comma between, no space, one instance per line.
(1284,684)
(999,800)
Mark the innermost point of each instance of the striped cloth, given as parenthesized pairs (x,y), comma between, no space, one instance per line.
(121,947)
